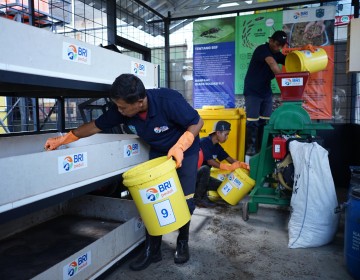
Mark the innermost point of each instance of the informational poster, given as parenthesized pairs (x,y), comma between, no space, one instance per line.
(223,49)
(252,31)
(214,62)
(314,26)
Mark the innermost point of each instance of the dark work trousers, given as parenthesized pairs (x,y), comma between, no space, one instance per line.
(205,182)
(258,111)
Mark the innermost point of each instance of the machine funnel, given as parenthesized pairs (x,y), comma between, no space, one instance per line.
(292,85)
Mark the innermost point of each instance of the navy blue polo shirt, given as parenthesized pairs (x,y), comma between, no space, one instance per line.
(259,74)
(168,117)
(212,151)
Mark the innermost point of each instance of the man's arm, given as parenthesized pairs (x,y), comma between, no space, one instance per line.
(273,65)
(195,128)
(82,131)
(230,160)
(213,163)
(85,130)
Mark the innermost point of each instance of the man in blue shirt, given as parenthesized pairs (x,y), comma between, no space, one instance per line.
(163,119)
(213,155)
(263,66)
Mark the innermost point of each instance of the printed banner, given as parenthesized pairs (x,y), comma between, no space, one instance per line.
(214,62)
(252,31)
(223,49)
(314,26)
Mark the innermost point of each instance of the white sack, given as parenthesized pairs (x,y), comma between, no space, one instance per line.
(313,221)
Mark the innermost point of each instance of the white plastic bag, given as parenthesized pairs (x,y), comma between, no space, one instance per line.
(313,221)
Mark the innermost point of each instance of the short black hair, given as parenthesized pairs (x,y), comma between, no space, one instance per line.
(127,87)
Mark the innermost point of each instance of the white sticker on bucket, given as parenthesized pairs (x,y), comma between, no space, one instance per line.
(164,213)
(158,192)
(226,188)
(222,177)
(308,53)
(236,181)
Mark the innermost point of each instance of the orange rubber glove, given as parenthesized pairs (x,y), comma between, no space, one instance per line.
(244,165)
(308,47)
(55,142)
(239,164)
(234,165)
(177,151)
(224,166)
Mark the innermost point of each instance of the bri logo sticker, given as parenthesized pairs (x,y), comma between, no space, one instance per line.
(138,68)
(292,82)
(235,180)
(131,150)
(75,53)
(77,265)
(158,192)
(160,129)
(71,163)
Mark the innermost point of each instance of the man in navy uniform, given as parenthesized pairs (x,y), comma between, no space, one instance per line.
(163,119)
(214,155)
(264,64)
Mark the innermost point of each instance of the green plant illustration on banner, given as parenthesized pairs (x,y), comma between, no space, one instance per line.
(214,31)
(252,31)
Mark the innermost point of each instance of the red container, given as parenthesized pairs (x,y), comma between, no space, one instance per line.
(292,85)
(279,148)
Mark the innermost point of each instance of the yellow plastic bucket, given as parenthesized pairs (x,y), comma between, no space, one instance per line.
(305,60)
(213,196)
(235,187)
(155,187)
(219,174)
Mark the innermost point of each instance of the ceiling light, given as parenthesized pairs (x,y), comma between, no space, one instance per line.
(228,5)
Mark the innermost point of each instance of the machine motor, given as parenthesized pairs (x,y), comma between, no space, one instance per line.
(284,172)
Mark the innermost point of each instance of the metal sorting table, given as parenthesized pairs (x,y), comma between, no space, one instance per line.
(31,174)
(78,239)
(73,238)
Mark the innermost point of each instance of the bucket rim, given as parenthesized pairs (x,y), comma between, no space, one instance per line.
(294,55)
(245,176)
(148,171)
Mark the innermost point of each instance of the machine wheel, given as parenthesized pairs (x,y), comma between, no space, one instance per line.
(245,211)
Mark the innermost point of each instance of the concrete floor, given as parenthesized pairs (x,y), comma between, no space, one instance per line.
(224,246)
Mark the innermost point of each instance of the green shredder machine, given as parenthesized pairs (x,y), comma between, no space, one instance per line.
(272,167)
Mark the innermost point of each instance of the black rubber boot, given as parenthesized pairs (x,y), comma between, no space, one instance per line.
(150,254)
(202,182)
(251,140)
(182,246)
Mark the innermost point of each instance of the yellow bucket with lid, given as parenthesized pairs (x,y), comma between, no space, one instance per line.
(236,186)
(156,190)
